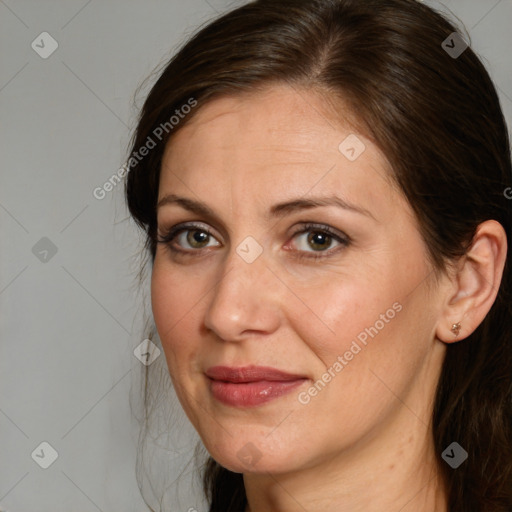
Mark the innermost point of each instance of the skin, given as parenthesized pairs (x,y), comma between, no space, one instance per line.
(364,442)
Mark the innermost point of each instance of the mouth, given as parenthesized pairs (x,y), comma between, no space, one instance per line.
(250,386)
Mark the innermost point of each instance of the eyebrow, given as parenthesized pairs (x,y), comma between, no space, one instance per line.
(277,211)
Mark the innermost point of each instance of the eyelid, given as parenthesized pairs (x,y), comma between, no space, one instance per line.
(314,226)
(171,233)
(343,240)
(184,226)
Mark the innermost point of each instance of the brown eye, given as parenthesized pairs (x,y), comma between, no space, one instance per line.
(319,240)
(187,238)
(197,238)
(316,241)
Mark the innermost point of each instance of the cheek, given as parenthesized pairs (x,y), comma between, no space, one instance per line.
(163,299)
(331,312)
(379,328)
(173,302)
(365,317)
(174,293)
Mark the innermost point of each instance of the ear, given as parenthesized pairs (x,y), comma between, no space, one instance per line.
(475,283)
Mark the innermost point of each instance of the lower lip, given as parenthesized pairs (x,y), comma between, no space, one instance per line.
(250,394)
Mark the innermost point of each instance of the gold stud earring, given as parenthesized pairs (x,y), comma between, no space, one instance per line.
(456,328)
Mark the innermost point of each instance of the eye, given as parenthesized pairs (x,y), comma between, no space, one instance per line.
(320,239)
(189,237)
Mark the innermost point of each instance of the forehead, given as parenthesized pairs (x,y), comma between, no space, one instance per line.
(278,116)
(281,140)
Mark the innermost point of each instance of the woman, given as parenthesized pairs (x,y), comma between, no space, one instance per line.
(325,208)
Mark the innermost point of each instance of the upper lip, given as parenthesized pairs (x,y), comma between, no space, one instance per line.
(250,374)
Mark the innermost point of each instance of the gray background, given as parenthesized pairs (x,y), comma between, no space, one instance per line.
(69,322)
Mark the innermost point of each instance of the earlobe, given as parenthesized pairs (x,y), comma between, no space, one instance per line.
(456,328)
(453,333)
(475,284)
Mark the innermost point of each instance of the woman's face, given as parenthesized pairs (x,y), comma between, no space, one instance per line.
(254,279)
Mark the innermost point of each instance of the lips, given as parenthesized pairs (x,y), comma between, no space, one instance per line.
(250,374)
(250,386)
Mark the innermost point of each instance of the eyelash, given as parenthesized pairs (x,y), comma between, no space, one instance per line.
(344,240)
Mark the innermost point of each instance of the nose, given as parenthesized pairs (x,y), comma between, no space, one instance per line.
(245,300)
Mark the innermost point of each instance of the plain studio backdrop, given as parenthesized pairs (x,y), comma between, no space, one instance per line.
(70,315)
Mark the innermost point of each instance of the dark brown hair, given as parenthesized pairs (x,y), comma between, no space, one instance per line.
(438,121)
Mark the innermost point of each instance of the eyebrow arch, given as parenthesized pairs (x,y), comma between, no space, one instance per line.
(278,210)
(288,207)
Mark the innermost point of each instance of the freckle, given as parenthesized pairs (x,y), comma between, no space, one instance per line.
(392,466)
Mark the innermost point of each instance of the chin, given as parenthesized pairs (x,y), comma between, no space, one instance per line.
(253,456)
